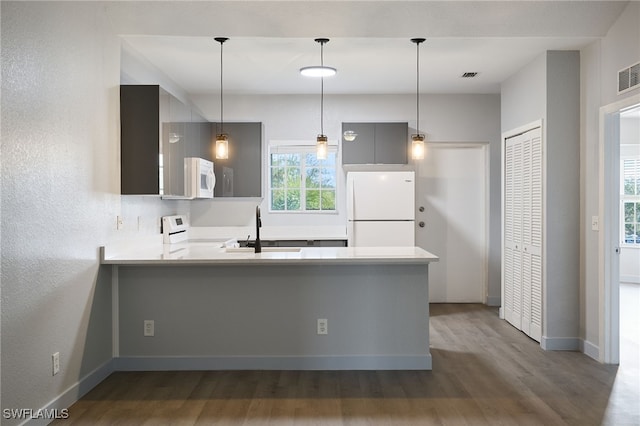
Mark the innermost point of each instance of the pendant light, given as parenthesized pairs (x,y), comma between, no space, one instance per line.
(417,140)
(321,141)
(319,70)
(222,140)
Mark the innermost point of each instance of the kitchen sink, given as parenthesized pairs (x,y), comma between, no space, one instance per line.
(264,249)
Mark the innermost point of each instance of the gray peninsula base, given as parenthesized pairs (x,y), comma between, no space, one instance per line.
(265,317)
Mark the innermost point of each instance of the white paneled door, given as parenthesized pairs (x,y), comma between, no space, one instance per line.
(452,188)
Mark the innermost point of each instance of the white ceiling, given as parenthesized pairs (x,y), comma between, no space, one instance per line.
(370,42)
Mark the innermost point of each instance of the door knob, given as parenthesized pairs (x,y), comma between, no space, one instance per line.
(421,224)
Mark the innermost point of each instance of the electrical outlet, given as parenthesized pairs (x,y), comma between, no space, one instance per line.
(119,222)
(322,326)
(149,328)
(55,363)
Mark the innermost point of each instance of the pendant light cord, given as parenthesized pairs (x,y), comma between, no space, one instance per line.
(322,90)
(221,98)
(418,88)
(417,41)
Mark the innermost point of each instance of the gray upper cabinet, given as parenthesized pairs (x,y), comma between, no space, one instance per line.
(139,139)
(376,143)
(175,138)
(157,132)
(240,175)
(362,149)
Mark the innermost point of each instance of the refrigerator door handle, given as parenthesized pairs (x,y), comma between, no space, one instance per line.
(350,198)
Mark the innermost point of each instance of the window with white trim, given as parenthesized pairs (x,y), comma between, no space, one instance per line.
(299,181)
(630,198)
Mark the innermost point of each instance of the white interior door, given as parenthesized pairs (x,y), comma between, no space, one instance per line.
(452,188)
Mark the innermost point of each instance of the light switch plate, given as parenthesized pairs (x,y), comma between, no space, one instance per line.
(595,223)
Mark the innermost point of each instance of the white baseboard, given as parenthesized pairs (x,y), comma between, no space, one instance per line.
(560,343)
(591,350)
(357,362)
(74,392)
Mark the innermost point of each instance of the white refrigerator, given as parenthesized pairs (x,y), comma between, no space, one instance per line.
(381,209)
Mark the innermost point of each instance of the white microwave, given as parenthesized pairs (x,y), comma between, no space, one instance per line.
(199,179)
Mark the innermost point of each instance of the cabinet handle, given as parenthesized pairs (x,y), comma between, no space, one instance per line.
(421,224)
(421,208)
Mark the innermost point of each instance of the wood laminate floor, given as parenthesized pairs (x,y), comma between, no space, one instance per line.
(485,372)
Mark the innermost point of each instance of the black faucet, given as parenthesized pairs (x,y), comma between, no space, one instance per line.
(258,245)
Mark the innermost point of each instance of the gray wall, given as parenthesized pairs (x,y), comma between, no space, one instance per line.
(600,63)
(589,193)
(59,197)
(524,95)
(620,48)
(562,245)
(549,89)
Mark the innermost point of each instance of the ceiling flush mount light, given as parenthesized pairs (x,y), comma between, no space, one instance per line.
(318,71)
(417,140)
(349,135)
(222,140)
(321,70)
(321,141)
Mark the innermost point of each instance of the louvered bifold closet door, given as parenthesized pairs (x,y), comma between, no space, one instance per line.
(532,240)
(507,261)
(513,232)
(522,263)
(526,233)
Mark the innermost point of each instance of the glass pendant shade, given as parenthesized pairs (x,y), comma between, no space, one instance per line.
(222,147)
(322,147)
(417,147)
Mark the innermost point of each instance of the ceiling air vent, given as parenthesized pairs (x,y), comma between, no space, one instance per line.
(469,74)
(629,78)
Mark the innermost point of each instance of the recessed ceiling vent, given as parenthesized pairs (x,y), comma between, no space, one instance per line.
(469,74)
(629,78)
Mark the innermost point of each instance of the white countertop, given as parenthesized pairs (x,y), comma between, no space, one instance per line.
(211,253)
(270,232)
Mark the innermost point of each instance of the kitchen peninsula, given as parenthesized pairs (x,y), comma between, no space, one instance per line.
(216,308)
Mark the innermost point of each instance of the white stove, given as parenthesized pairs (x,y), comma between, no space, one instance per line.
(175,229)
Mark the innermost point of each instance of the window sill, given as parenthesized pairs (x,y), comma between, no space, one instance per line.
(305,212)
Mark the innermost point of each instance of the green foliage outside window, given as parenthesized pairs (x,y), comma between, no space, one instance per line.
(631,200)
(302,182)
